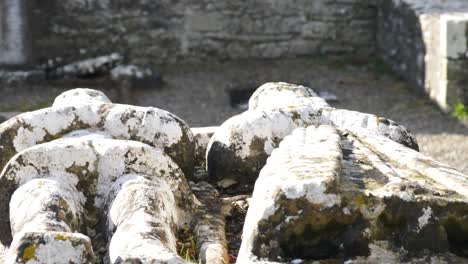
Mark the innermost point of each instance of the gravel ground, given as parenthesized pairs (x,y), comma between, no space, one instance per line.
(200,95)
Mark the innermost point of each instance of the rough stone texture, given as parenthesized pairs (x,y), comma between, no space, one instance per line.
(336,195)
(88,109)
(51,247)
(88,68)
(426,42)
(133,189)
(46,216)
(87,166)
(14,26)
(166,31)
(275,109)
(210,225)
(144,229)
(201,136)
(80,96)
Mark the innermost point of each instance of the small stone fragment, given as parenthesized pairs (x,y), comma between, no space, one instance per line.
(86,68)
(226,183)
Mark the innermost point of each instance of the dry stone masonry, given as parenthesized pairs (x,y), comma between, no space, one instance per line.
(167,31)
(426,42)
(89,181)
(14,29)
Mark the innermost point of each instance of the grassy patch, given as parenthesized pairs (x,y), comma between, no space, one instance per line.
(460,111)
(187,246)
(375,65)
(378,66)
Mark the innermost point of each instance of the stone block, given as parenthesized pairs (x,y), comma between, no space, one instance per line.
(205,22)
(14,31)
(457,38)
(334,195)
(319,30)
(419,39)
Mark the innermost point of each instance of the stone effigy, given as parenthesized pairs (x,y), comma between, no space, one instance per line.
(89,181)
(87,166)
(354,197)
(275,109)
(117,180)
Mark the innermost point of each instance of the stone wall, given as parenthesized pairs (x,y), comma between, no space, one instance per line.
(167,31)
(426,43)
(457,59)
(14,49)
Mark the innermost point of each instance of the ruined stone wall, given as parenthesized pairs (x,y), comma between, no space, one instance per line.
(167,31)
(427,44)
(14,49)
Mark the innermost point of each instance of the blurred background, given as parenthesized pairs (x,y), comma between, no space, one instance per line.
(201,59)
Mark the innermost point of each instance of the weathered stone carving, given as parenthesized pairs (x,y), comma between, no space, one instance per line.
(136,191)
(88,181)
(88,109)
(77,174)
(354,196)
(202,136)
(275,109)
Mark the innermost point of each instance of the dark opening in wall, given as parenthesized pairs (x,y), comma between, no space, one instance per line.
(239,97)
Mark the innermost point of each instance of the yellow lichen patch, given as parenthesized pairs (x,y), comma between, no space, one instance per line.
(359,200)
(61,237)
(29,253)
(291,107)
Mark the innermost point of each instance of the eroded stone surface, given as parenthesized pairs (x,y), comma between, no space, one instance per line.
(241,145)
(328,194)
(89,180)
(79,167)
(201,136)
(82,96)
(105,180)
(210,225)
(88,109)
(51,247)
(144,229)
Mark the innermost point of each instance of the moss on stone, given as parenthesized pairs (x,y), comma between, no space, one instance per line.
(29,253)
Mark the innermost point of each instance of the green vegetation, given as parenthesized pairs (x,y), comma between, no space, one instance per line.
(460,111)
(187,246)
(189,253)
(375,65)
(378,66)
